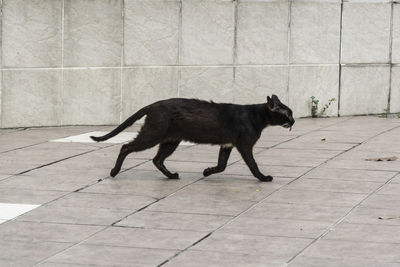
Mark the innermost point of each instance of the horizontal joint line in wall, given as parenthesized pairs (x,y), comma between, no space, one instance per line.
(366,64)
(210,66)
(367,2)
(171,66)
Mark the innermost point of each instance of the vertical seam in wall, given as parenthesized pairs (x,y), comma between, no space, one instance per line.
(288,49)
(62,63)
(390,56)
(122,58)
(340,57)
(1,64)
(235,23)
(179,47)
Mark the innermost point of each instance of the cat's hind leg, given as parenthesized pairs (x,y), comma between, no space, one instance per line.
(223,157)
(247,155)
(164,151)
(149,136)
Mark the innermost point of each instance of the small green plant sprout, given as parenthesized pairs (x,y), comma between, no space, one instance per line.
(385,113)
(314,107)
(326,106)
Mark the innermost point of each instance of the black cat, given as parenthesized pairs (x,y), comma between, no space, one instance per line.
(170,121)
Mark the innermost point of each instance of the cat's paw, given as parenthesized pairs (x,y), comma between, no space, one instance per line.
(114,172)
(174,176)
(267,178)
(207,172)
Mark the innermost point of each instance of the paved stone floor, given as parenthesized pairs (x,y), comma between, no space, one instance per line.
(327,205)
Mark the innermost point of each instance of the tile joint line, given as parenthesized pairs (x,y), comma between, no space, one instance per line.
(357,205)
(234,217)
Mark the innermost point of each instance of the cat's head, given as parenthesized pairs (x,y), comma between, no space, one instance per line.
(280,113)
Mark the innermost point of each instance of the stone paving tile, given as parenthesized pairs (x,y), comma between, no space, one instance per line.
(365,233)
(145,238)
(22,138)
(332,136)
(376,147)
(10,211)
(22,160)
(145,183)
(100,159)
(302,261)
(362,164)
(150,188)
(361,154)
(22,253)
(53,213)
(44,180)
(271,232)
(178,166)
(324,172)
(87,208)
(41,232)
(113,151)
(396,180)
(4,176)
(276,227)
(237,168)
(238,180)
(273,170)
(323,198)
(26,196)
(390,189)
(252,192)
(47,152)
(201,206)
(194,258)
(364,125)
(334,185)
(277,134)
(7,131)
(204,154)
(175,221)
(363,215)
(265,144)
(390,201)
(253,245)
(303,153)
(103,201)
(10,167)
(288,160)
(299,144)
(111,256)
(54,264)
(296,211)
(353,251)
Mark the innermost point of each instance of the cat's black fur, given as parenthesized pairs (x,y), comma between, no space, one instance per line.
(170,121)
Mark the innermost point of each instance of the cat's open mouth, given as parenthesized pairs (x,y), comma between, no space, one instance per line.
(287,125)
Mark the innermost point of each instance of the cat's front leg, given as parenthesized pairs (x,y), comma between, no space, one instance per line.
(247,155)
(223,157)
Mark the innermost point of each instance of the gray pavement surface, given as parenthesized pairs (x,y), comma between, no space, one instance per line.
(327,205)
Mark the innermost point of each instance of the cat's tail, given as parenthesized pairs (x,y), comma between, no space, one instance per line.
(128,122)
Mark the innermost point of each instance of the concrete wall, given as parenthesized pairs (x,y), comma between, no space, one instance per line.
(97,61)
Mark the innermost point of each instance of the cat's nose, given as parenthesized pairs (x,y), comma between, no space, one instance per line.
(292,121)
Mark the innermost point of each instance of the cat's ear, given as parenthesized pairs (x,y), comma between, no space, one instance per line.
(275,99)
(270,103)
